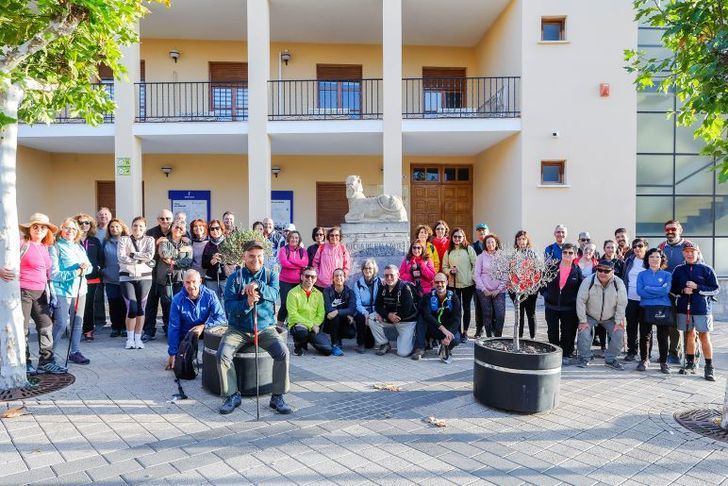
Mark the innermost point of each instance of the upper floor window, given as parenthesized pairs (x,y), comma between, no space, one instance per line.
(444,88)
(553,29)
(339,87)
(552,172)
(229,90)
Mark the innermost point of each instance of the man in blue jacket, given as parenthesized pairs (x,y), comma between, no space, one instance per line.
(192,308)
(252,287)
(694,284)
(553,251)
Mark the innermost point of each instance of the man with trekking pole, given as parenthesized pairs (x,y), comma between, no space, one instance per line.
(250,295)
(695,284)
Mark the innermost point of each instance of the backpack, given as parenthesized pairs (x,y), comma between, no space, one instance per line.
(416,294)
(185,362)
(288,252)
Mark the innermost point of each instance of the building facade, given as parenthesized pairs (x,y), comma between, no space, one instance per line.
(517,113)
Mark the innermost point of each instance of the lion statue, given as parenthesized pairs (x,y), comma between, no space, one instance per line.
(377,209)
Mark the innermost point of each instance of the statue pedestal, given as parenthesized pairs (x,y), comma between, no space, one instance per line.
(385,242)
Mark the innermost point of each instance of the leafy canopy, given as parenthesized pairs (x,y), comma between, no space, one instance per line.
(52,50)
(696,33)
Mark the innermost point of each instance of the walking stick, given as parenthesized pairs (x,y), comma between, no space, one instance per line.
(255,342)
(73,320)
(219,270)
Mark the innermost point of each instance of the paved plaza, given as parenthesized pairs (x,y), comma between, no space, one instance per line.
(118,425)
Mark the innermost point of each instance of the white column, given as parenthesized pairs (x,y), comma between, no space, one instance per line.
(259,183)
(392,87)
(127,147)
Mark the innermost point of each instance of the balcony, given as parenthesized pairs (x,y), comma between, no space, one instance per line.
(194,101)
(312,99)
(479,97)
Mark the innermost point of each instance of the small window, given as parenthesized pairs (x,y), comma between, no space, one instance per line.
(553,29)
(421,174)
(552,172)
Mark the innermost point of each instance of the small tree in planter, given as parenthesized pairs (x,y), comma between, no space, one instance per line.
(523,272)
(508,375)
(232,251)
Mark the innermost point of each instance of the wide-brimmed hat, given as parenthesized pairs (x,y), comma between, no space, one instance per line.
(39,218)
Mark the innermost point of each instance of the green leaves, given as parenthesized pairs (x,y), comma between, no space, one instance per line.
(697,34)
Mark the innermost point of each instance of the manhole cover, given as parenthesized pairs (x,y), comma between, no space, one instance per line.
(703,421)
(39,385)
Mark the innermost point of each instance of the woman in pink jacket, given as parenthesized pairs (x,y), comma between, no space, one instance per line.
(330,256)
(417,267)
(491,292)
(293,258)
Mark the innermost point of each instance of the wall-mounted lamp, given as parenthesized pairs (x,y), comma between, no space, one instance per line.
(166,170)
(286,56)
(174,54)
(276,170)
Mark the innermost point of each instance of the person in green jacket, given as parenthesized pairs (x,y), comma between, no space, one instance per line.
(305,304)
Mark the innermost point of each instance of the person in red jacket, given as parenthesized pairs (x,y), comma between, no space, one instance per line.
(417,268)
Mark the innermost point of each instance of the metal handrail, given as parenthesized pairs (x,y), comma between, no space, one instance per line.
(192,101)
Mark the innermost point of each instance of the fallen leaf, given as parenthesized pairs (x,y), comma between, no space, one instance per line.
(387,387)
(14,412)
(434,421)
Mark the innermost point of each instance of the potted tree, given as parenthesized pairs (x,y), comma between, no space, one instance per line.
(514,374)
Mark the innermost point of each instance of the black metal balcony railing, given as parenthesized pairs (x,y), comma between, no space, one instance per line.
(67,116)
(192,101)
(482,97)
(312,99)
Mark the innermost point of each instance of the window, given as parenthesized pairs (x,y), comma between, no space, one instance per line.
(339,88)
(229,90)
(553,29)
(444,89)
(552,172)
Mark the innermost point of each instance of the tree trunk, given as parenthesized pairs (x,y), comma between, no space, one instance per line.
(724,422)
(517,306)
(12,335)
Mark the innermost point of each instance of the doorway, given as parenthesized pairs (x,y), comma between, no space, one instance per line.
(442,192)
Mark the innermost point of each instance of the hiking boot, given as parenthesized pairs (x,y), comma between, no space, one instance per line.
(417,354)
(148,337)
(614,365)
(630,357)
(582,363)
(30,370)
(384,349)
(673,359)
(444,354)
(665,368)
(231,403)
(277,402)
(463,338)
(298,350)
(643,365)
(709,372)
(361,349)
(565,361)
(689,368)
(78,358)
(88,336)
(336,350)
(53,369)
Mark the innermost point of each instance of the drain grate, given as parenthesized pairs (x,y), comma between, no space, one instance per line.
(38,385)
(703,421)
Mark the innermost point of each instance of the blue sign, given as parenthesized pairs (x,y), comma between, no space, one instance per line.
(281,207)
(195,203)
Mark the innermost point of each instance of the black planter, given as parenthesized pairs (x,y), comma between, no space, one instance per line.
(517,382)
(244,361)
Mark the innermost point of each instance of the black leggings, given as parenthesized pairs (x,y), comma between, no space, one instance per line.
(465,295)
(526,310)
(339,328)
(135,294)
(663,334)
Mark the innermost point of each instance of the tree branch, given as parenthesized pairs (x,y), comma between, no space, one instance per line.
(57,28)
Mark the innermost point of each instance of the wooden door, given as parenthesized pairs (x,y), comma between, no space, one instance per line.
(106,196)
(441,192)
(331,203)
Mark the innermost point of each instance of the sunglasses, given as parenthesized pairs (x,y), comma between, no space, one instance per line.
(604,270)
(640,245)
(85,223)
(670,230)
(569,252)
(457,237)
(215,228)
(416,247)
(307,276)
(335,236)
(584,239)
(164,219)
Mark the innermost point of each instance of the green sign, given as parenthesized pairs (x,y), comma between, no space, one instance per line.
(123,166)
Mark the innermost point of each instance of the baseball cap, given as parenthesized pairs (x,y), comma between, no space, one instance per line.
(481,226)
(689,245)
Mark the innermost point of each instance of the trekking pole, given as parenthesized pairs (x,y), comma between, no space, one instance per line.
(73,320)
(255,342)
(219,270)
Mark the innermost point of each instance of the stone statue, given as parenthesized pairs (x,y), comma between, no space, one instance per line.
(362,209)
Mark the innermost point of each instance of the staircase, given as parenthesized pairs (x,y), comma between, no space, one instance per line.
(700,215)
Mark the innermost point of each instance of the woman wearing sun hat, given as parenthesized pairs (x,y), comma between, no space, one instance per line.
(35,272)
(70,267)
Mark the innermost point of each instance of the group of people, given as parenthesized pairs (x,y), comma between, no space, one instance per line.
(426,300)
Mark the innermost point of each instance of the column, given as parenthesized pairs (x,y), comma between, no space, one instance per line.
(392,88)
(259,183)
(127,147)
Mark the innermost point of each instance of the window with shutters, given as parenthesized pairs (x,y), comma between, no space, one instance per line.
(339,88)
(142,90)
(229,90)
(443,88)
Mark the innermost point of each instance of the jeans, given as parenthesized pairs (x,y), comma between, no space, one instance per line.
(494,313)
(117,307)
(635,316)
(65,308)
(465,295)
(303,337)
(35,304)
(405,331)
(663,335)
(562,329)
(586,336)
(269,340)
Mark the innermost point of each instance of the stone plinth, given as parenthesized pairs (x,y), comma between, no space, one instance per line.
(385,242)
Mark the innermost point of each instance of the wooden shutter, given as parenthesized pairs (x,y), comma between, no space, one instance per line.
(428,73)
(331,203)
(106,195)
(224,72)
(335,72)
(142,71)
(105,73)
